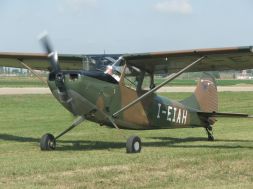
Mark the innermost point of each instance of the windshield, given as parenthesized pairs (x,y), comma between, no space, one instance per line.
(134,77)
(116,69)
(98,62)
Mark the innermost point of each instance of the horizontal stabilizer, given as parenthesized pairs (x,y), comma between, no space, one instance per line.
(223,114)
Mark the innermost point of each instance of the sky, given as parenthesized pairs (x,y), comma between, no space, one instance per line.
(129,26)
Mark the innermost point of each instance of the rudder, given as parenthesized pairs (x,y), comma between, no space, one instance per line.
(205,96)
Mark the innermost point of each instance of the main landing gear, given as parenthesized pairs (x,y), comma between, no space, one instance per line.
(48,141)
(133,144)
(209,131)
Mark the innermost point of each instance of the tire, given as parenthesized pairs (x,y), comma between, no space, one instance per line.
(47,142)
(210,138)
(133,144)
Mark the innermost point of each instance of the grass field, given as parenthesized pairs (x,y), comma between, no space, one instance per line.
(21,82)
(94,157)
(220,82)
(35,82)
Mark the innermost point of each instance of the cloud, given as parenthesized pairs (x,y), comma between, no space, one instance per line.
(174,6)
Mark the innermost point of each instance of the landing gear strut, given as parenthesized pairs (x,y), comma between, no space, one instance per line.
(209,131)
(133,144)
(48,141)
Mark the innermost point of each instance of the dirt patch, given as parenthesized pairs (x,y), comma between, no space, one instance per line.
(36,90)
(15,91)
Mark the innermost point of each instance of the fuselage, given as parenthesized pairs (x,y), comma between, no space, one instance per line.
(97,95)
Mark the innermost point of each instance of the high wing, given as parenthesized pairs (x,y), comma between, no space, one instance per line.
(39,61)
(219,59)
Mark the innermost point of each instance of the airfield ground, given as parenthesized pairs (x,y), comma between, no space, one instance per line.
(172,89)
(24,81)
(92,156)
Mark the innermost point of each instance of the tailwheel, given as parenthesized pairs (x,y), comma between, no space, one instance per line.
(210,138)
(133,144)
(47,142)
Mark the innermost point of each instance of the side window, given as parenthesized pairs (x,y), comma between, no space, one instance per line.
(130,82)
(137,79)
(131,77)
(146,82)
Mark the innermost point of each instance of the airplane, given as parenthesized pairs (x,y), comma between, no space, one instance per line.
(123,96)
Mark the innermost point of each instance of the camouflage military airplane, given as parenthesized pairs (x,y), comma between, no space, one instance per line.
(124,95)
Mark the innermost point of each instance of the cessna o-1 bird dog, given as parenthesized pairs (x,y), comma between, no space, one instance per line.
(123,96)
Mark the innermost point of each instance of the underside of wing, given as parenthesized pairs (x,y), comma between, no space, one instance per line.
(219,59)
(159,63)
(39,61)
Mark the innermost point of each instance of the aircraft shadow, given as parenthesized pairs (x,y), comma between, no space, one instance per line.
(194,139)
(171,142)
(180,143)
(8,137)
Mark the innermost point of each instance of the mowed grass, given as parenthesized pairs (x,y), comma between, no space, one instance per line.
(220,82)
(19,81)
(92,156)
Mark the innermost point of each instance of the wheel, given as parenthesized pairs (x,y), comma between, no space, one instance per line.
(210,138)
(133,144)
(47,142)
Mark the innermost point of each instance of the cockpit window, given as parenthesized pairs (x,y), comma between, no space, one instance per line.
(116,69)
(131,81)
(134,77)
(98,62)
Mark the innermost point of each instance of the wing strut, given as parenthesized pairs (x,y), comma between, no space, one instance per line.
(31,70)
(172,77)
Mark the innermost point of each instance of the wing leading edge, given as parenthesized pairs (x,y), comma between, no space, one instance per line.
(219,59)
(39,61)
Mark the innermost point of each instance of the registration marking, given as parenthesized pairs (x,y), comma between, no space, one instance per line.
(173,114)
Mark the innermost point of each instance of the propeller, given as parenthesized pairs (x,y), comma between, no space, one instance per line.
(56,70)
(44,39)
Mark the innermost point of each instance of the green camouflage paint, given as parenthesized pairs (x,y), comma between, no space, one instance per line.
(90,97)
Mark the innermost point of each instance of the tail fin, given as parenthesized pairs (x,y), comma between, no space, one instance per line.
(205,97)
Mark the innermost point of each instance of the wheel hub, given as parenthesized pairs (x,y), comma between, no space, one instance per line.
(136,146)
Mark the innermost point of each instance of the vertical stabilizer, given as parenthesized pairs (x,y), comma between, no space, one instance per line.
(205,97)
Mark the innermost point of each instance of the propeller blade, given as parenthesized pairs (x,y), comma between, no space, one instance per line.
(44,39)
(51,53)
